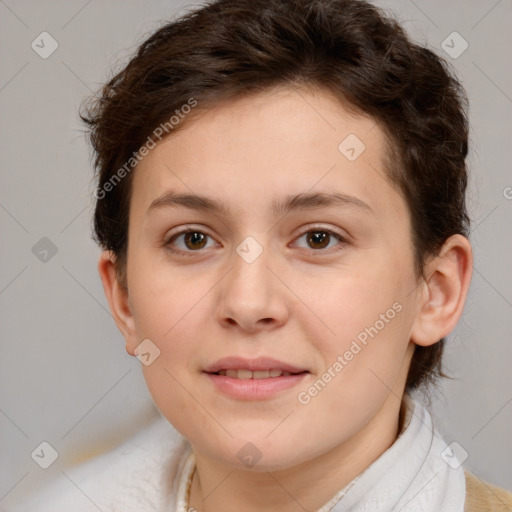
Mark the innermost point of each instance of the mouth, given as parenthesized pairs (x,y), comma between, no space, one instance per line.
(244,374)
(253,379)
(260,368)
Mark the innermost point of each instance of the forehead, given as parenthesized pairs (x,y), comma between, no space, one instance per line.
(256,149)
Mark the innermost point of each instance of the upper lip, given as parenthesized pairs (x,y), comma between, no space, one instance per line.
(260,363)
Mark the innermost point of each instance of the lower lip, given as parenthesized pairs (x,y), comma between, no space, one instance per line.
(254,389)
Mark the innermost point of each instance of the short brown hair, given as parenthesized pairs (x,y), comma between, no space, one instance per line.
(231,48)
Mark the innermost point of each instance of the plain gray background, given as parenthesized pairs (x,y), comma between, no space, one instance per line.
(65,377)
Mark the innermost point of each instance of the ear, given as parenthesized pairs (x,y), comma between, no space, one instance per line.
(443,292)
(118,300)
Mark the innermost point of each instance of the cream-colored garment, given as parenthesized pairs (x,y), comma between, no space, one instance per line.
(482,496)
(411,475)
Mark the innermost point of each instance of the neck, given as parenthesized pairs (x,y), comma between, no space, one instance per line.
(307,486)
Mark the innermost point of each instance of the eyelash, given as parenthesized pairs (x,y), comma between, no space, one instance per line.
(341,239)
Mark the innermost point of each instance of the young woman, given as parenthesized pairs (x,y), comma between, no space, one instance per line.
(281,204)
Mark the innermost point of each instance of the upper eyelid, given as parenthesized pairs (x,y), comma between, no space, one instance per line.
(307,229)
(186,229)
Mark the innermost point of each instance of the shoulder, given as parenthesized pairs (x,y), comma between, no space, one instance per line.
(482,496)
(137,476)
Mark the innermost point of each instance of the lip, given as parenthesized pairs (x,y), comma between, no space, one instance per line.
(253,389)
(260,363)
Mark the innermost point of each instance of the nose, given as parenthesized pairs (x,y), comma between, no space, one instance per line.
(252,298)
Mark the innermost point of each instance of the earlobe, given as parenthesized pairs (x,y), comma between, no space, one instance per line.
(117,298)
(445,290)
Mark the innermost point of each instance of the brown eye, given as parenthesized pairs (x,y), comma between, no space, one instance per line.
(189,241)
(195,240)
(321,241)
(318,239)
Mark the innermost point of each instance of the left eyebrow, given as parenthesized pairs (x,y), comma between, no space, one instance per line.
(301,201)
(318,200)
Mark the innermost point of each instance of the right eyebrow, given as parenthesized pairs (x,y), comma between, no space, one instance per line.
(192,201)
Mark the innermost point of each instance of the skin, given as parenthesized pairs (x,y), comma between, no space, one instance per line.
(300,303)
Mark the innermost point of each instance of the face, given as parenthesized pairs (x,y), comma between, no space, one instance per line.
(258,243)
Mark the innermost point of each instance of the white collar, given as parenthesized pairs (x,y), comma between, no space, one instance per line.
(410,475)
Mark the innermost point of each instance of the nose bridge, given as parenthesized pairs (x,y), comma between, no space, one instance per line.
(249,277)
(250,294)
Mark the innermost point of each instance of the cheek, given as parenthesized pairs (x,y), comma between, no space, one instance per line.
(168,315)
(356,301)
(369,320)
(166,299)
(170,319)
(361,363)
